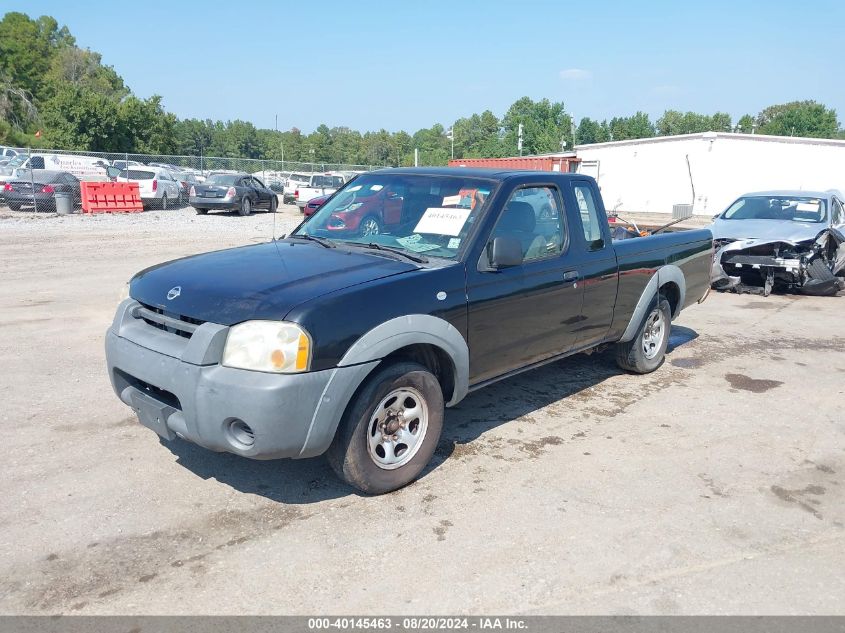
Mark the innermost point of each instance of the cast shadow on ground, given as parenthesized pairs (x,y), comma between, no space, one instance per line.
(307,481)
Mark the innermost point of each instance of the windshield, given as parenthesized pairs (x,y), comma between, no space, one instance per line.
(300,177)
(18,160)
(222,179)
(428,215)
(799,209)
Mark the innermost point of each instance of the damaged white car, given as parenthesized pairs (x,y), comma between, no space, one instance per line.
(784,240)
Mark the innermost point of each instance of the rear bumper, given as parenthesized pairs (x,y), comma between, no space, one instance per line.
(23,199)
(292,415)
(213,203)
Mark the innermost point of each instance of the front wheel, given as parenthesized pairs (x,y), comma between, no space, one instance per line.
(246,207)
(390,430)
(370,226)
(647,350)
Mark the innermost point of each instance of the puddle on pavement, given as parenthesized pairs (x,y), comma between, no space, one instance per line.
(754,385)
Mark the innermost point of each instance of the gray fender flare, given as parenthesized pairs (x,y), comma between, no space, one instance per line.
(415,329)
(364,356)
(663,275)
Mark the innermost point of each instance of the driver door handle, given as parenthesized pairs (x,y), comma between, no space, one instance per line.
(570,275)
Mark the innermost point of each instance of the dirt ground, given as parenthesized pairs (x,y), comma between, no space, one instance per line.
(715,485)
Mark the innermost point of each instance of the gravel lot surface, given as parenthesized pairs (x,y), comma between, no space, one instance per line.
(715,485)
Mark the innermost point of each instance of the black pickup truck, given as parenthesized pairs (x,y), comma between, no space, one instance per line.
(352,342)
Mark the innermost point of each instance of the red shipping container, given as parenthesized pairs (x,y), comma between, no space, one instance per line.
(538,163)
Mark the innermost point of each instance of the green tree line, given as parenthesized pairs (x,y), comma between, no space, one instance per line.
(50,85)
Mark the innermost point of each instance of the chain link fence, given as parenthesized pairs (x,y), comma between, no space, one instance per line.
(274,171)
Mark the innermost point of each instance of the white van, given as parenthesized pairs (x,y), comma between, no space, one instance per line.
(83,167)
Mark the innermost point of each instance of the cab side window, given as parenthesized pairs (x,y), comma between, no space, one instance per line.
(533,216)
(589,216)
(837,214)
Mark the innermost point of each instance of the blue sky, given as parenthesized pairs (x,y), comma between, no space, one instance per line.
(408,64)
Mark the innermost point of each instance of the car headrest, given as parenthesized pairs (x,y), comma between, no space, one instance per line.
(518,216)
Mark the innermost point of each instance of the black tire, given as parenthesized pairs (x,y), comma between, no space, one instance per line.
(14,207)
(202,211)
(350,453)
(246,206)
(632,355)
(162,204)
(274,203)
(369,225)
(546,212)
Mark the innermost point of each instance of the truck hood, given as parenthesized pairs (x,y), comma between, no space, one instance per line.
(264,281)
(766,230)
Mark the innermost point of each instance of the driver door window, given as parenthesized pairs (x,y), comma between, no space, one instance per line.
(533,216)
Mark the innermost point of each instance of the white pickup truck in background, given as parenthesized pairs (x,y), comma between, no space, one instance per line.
(320,185)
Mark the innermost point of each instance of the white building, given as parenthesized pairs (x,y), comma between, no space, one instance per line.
(710,169)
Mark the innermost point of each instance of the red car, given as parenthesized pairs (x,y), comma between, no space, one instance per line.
(313,204)
(367,210)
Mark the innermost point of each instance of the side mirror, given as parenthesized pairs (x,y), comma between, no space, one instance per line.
(505,252)
(113,172)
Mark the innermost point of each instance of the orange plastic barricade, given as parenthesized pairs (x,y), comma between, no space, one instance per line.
(110,197)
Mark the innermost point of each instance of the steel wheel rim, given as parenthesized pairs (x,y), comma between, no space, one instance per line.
(397,428)
(653,333)
(370,227)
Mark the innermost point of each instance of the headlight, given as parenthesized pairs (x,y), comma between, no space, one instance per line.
(271,346)
(353,206)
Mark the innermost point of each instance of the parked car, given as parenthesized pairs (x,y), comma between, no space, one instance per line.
(319,185)
(314,204)
(39,191)
(6,154)
(173,169)
(232,192)
(787,240)
(326,343)
(186,180)
(157,187)
(275,180)
(292,183)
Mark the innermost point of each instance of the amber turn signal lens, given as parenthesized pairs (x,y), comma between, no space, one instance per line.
(302,353)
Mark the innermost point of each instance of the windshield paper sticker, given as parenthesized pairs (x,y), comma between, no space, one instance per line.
(451,201)
(415,243)
(807,207)
(442,221)
(454,243)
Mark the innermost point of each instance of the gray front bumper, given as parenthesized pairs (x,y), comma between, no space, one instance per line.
(198,399)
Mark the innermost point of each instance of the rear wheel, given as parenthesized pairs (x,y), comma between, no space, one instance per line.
(14,207)
(647,350)
(390,429)
(274,203)
(163,204)
(246,207)
(202,211)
